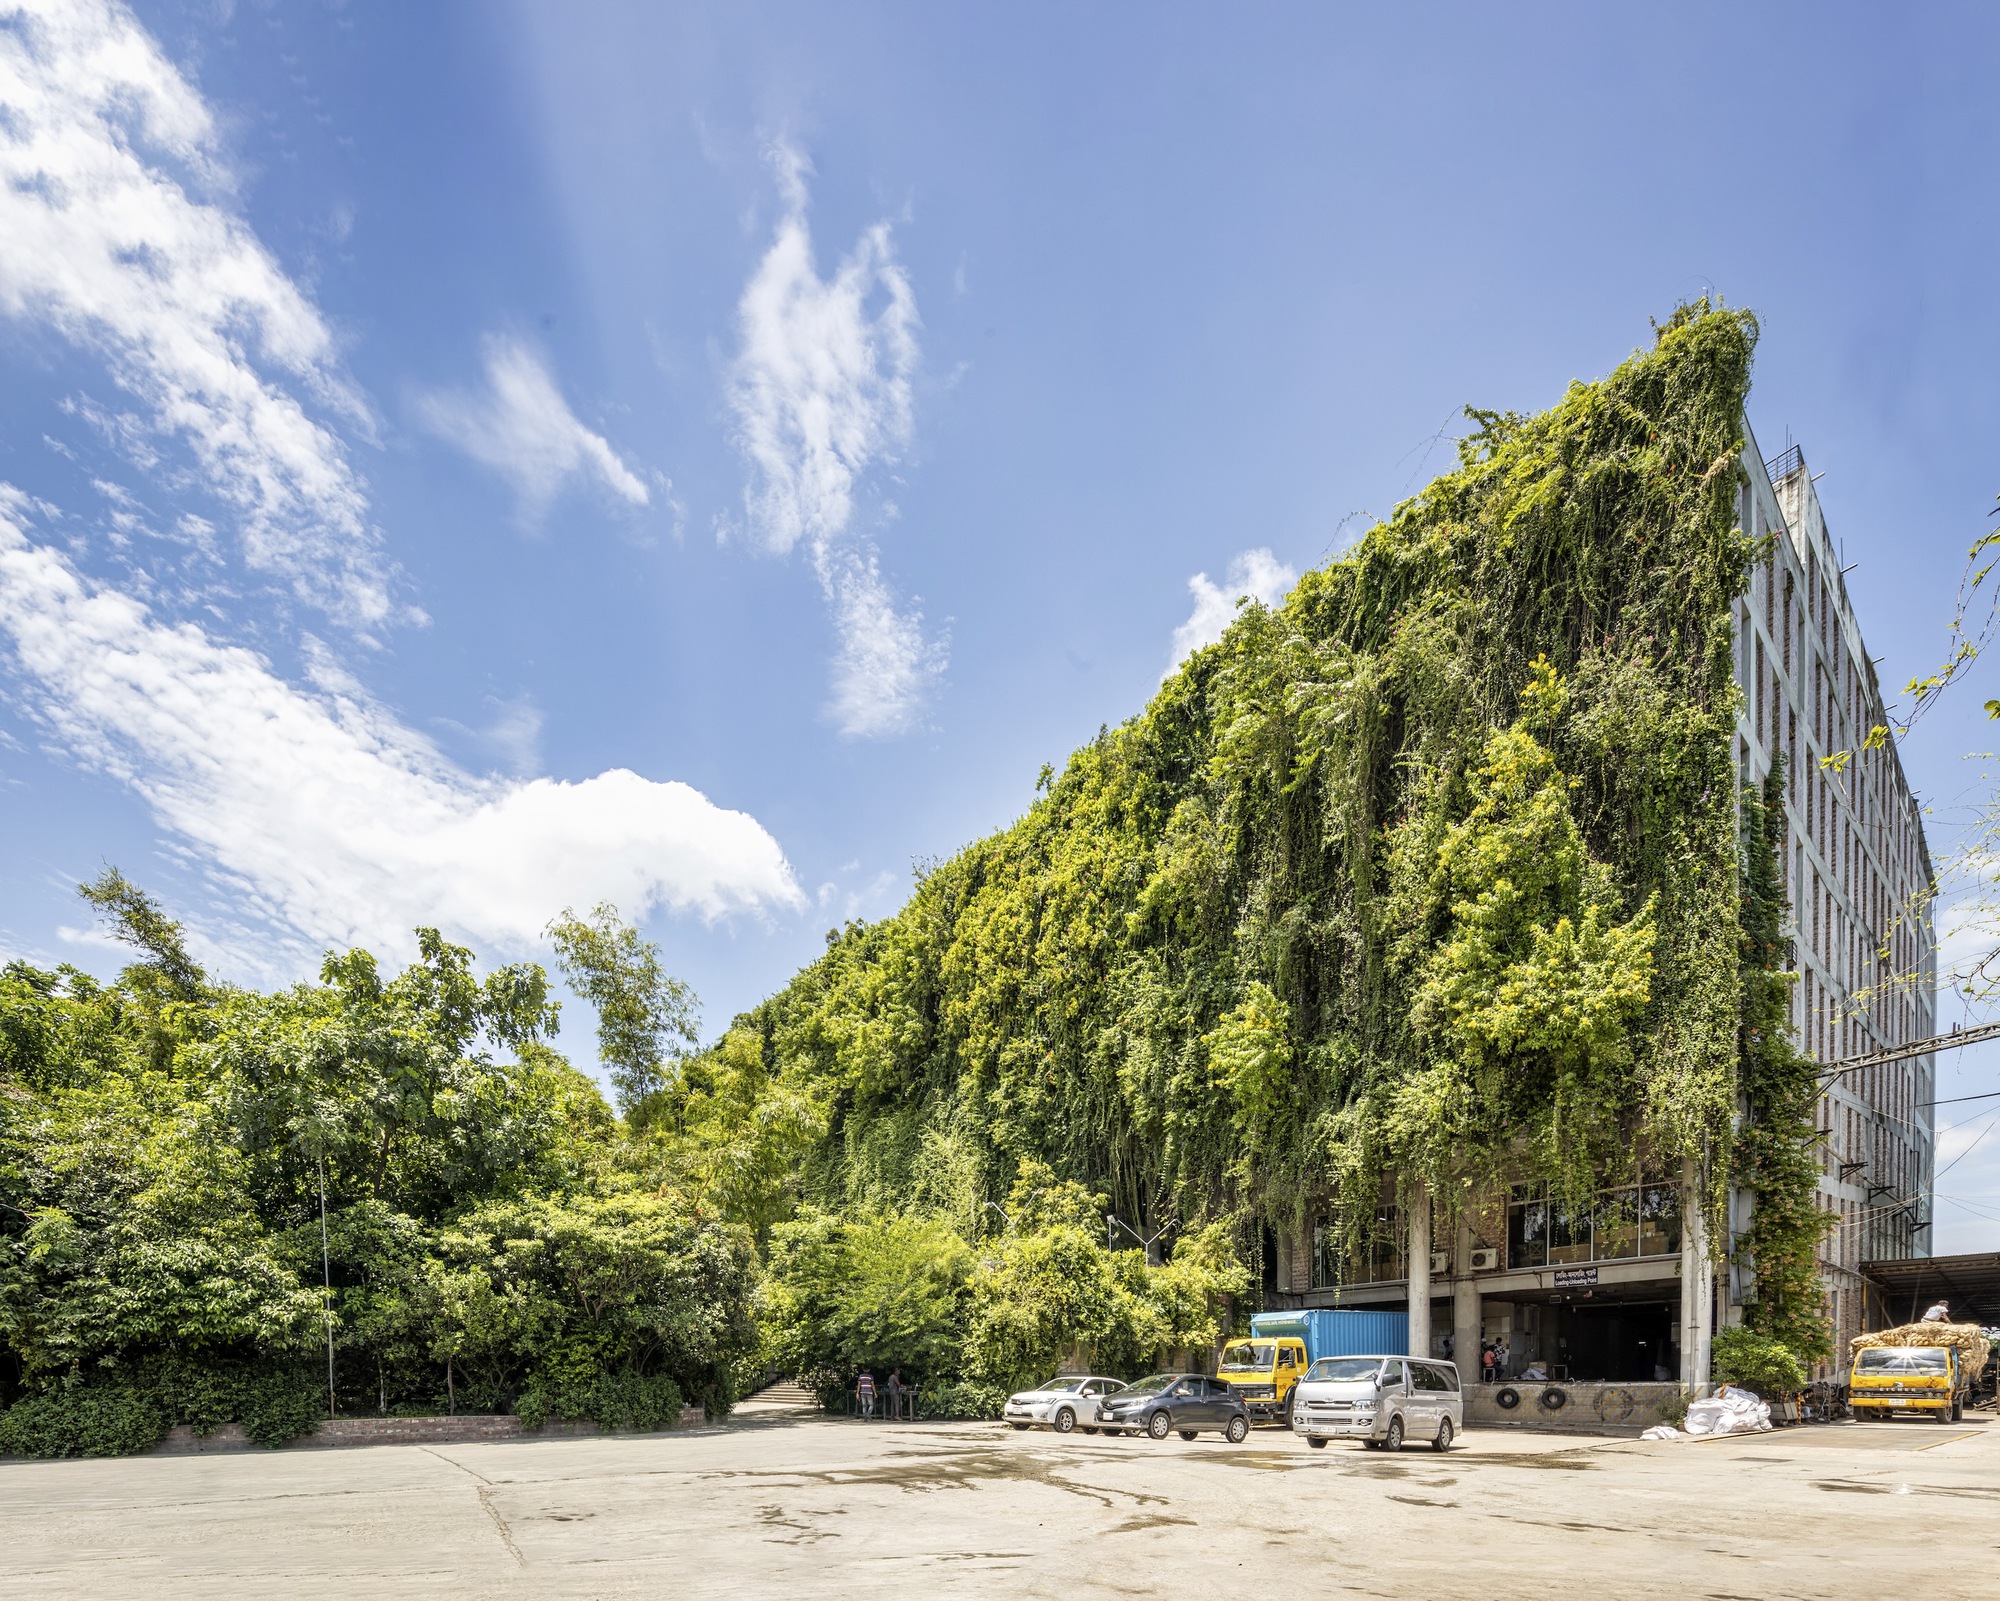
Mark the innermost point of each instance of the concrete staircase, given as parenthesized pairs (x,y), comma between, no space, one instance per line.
(785,1394)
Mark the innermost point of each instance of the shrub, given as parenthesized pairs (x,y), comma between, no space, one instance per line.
(103,1420)
(640,1402)
(1756,1362)
(969,1399)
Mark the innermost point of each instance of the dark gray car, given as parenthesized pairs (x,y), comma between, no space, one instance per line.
(1176,1403)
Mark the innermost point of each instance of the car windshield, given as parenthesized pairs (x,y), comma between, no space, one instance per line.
(1904,1359)
(1248,1357)
(1344,1369)
(1151,1385)
(1062,1386)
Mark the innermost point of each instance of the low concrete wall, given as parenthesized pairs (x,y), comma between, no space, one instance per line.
(334,1433)
(1575,1408)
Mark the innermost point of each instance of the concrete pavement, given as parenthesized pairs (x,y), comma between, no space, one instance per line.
(783,1503)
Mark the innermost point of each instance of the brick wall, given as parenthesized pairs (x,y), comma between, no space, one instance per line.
(334,1433)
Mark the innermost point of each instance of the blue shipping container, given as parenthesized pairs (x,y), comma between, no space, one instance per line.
(1330,1331)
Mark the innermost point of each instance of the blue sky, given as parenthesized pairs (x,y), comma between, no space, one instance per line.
(468,459)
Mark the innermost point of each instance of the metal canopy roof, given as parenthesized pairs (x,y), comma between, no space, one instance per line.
(1904,1287)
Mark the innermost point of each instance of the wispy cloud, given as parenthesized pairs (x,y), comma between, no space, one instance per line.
(115,232)
(822,393)
(329,816)
(883,673)
(1254,574)
(522,428)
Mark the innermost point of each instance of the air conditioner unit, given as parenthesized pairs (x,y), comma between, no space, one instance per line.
(1485,1261)
(1440,1263)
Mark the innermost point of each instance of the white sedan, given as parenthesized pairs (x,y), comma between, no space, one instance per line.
(1060,1403)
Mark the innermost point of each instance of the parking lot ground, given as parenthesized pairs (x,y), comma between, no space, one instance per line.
(783,1503)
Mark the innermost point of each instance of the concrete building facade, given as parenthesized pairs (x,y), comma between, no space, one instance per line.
(1598,1293)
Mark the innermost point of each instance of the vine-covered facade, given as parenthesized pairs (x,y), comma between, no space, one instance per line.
(1405,931)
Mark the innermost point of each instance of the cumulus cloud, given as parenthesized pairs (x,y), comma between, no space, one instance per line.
(1255,574)
(523,429)
(331,817)
(115,231)
(822,394)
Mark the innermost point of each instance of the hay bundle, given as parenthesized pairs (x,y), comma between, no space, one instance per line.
(1969,1339)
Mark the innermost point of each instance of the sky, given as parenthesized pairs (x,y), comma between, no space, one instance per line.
(463,461)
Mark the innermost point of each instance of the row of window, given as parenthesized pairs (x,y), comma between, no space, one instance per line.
(1619,1223)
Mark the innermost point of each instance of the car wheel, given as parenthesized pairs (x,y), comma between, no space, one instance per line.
(1189,1434)
(1393,1440)
(1291,1404)
(1017,1425)
(1944,1416)
(1443,1440)
(1064,1420)
(1238,1430)
(1087,1429)
(1159,1426)
(1317,1442)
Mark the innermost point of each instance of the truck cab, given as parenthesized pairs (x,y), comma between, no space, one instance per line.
(1923,1379)
(1263,1370)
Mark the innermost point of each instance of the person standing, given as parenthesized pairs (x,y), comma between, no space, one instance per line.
(1488,1364)
(1500,1355)
(864,1393)
(894,1387)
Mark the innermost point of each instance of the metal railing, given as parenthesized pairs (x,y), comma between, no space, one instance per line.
(1784,465)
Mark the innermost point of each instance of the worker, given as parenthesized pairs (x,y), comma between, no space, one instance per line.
(1940,1313)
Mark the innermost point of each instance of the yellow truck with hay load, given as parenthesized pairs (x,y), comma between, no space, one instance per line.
(1922,1368)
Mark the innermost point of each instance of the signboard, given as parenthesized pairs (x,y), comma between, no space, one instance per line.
(1567,1276)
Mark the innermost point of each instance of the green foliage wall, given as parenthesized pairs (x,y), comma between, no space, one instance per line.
(1431,872)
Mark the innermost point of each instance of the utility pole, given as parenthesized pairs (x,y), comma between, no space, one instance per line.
(326,1282)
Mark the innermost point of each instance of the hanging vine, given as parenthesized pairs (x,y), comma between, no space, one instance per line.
(1776,1146)
(1430,871)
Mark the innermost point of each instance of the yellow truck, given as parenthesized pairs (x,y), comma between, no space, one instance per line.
(1921,1369)
(1264,1370)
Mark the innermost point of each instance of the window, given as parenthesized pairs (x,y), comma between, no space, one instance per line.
(1378,1260)
(1527,1228)
(1620,1222)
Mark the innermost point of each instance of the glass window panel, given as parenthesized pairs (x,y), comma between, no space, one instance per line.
(1615,1227)
(1569,1233)
(1659,1220)
(1527,1234)
(1326,1258)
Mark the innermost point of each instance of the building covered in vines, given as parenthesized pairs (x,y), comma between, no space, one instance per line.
(1440,928)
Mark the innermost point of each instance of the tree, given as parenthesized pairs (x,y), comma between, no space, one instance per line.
(645,1016)
(137,920)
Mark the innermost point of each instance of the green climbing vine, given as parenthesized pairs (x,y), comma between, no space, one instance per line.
(1775,1148)
(1430,872)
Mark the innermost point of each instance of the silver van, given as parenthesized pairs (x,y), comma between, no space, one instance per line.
(1380,1401)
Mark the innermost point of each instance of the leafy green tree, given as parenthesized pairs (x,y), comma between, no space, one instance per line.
(645,1016)
(882,1292)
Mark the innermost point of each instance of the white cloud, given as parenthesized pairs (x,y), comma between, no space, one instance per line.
(883,674)
(822,394)
(332,818)
(105,150)
(1257,574)
(523,429)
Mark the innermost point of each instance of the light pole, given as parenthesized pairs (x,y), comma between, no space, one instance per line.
(1150,1243)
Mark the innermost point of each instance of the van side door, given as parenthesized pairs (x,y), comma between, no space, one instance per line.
(1396,1396)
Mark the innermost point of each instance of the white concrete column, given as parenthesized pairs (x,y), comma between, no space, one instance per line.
(1420,1269)
(1697,1321)
(1464,1305)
